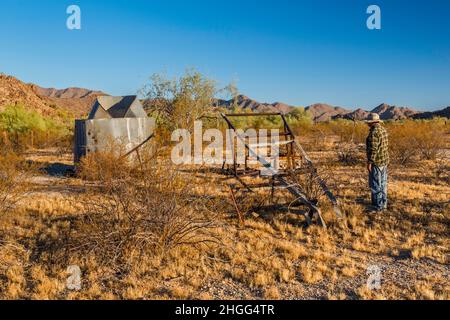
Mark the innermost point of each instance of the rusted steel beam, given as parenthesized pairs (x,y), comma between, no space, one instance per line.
(233,198)
(321,182)
(294,190)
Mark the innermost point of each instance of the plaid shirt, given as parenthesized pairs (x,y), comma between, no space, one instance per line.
(378,146)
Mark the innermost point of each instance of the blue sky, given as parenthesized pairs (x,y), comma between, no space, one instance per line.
(297,52)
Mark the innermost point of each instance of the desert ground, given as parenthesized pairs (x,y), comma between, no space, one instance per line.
(270,255)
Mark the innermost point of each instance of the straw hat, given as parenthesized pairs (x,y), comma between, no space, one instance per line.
(373,118)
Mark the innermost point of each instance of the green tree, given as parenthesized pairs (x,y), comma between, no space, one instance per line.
(299,117)
(178,103)
(16,120)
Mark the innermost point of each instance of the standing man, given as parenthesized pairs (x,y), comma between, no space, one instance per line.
(377,162)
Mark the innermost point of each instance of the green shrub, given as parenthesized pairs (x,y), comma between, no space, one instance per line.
(413,140)
(24,128)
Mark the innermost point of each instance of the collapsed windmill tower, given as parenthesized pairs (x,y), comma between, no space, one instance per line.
(296,164)
(117,120)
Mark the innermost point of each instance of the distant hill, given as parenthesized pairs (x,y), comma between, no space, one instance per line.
(14,91)
(69,93)
(79,101)
(388,112)
(358,115)
(323,112)
(76,100)
(245,103)
(444,113)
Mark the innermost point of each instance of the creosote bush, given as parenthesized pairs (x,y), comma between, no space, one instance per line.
(347,153)
(348,131)
(22,128)
(178,103)
(414,140)
(14,180)
(430,139)
(136,209)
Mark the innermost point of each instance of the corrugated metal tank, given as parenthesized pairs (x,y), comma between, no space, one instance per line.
(114,122)
(100,134)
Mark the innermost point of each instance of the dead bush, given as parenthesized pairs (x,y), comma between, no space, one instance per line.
(14,180)
(104,168)
(309,182)
(14,186)
(135,210)
(348,153)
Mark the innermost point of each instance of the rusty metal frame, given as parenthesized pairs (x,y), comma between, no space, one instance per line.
(281,178)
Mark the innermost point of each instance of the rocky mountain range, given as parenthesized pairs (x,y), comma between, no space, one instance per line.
(13,91)
(444,113)
(321,112)
(69,93)
(78,101)
(246,103)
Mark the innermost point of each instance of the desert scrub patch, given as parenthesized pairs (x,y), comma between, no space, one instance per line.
(261,279)
(308,273)
(14,259)
(272,293)
(15,174)
(45,287)
(294,261)
(291,251)
(134,211)
(284,275)
(410,141)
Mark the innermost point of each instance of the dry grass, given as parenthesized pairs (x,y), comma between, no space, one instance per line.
(115,226)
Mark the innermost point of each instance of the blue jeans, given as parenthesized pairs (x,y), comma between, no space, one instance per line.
(378,182)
